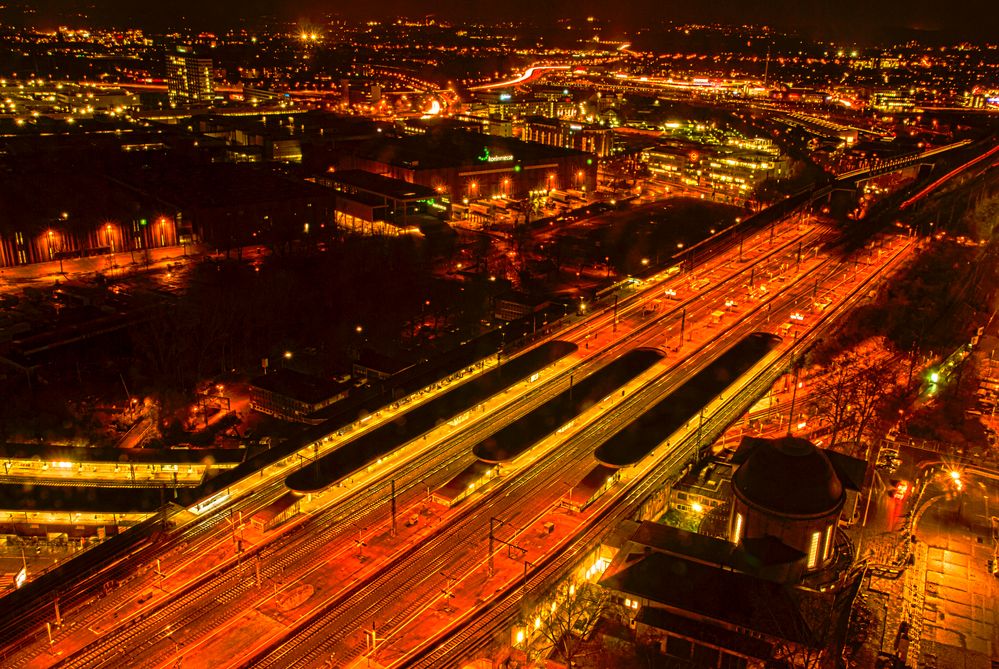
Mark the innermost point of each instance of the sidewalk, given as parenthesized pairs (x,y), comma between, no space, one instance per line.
(15,278)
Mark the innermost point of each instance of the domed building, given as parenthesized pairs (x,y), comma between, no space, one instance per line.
(786,503)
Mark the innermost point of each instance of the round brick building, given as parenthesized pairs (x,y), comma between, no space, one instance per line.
(786,503)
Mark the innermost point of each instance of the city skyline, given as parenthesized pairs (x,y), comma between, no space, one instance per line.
(593,341)
(859,22)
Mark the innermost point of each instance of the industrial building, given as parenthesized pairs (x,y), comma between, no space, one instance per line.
(368,203)
(462,166)
(291,395)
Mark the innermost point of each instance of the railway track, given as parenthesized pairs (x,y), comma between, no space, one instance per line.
(452,648)
(326,629)
(208,531)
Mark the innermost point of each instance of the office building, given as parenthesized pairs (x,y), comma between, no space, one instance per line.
(595,139)
(189,77)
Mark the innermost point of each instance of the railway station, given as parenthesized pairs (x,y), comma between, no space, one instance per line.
(597,481)
(77,465)
(641,436)
(362,452)
(517,437)
(49,491)
(470,480)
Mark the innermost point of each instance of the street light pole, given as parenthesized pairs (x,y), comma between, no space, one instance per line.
(794,394)
(393,508)
(491,569)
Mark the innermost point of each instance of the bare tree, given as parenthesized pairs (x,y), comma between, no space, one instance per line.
(851,391)
(571,609)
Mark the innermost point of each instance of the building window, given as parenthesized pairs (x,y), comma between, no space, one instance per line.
(732,662)
(829,543)
(737,529)
(813,550)
(705,656)
(680,648)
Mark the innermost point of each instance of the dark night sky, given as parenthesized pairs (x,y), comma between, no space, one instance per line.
(838,19)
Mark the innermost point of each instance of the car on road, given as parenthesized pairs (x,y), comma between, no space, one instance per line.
(901,488)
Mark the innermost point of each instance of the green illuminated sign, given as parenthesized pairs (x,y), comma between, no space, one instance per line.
(487,157)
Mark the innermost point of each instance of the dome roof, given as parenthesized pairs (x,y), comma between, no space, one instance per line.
(789,476)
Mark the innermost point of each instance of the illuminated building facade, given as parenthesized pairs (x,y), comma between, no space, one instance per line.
(189,77)
(724,168)
(471,166)
(505,105)
(893,101)
(587,137)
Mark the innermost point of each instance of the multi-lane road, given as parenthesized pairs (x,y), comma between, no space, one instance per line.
(304,594)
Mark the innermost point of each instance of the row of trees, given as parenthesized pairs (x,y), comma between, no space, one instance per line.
(872,368)
(857,393)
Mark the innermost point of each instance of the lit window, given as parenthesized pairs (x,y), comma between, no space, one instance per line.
(627,603)
(813,550)
(737,530)
(829,542)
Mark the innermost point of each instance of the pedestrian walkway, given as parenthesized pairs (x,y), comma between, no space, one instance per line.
(17,277)
(955,599)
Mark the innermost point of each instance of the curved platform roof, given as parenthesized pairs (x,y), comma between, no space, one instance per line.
(523,433)
(650,429)
(369,447)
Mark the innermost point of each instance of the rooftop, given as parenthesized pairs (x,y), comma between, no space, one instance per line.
(395,189)
(789,475)
(207,185)
(299,386)
(458,149)
(714,593)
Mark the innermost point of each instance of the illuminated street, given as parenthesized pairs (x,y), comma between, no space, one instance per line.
(427,336)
